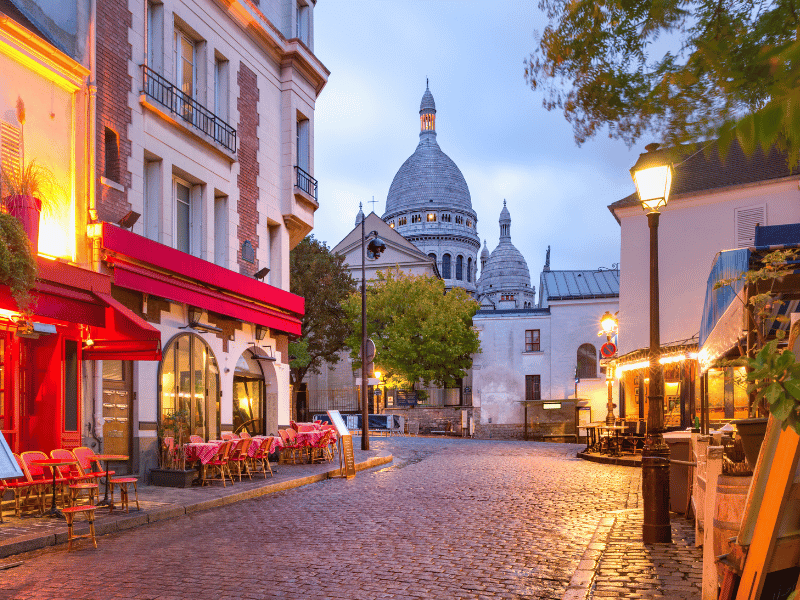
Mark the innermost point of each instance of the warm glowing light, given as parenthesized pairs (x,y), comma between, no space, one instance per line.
(9,314)
(653,185)
(609,323)
(378,374)
(94,230)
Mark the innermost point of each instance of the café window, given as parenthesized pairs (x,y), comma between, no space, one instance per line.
(587,361)
(189,385)
(531,340)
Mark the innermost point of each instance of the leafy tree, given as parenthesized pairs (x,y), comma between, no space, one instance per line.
(684,69)
(420,333)
(323,280)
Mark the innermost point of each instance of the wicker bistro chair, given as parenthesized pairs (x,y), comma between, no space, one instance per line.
(219,463)
(322,450)
(195,439)
(45,478)
(123,483)
(239,457)
(89,463)
(78,481)
(244,434)
(292,447)
(634,436)
(261,457)
(23,487)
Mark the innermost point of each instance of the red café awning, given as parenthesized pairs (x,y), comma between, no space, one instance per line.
(146,266)
(69,294)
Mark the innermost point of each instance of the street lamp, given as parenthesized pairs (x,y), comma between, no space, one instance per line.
(376,248)
(609,325)
(652,175)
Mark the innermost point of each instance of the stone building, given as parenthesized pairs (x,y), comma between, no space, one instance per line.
(430,205)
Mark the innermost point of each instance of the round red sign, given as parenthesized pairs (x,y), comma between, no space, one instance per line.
(608,350)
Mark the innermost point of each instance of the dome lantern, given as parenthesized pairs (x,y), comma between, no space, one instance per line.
(427,111)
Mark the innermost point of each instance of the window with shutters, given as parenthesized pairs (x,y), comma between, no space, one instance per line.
(745,222)
(533,387)
(10,137)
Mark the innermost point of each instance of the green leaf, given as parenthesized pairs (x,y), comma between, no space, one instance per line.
(773,392)
(792,388)
(781,408)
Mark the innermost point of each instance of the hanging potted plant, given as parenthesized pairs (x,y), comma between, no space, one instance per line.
(29,190)
(771,374)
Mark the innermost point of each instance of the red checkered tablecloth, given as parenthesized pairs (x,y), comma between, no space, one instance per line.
(203,452)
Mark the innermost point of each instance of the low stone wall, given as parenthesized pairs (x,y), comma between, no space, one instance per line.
(437,418)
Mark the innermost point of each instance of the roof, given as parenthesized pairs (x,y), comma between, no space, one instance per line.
(9,9)
(512,311)
(698,170)
(575,285)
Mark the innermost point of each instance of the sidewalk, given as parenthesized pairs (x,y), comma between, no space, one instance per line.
(31,532)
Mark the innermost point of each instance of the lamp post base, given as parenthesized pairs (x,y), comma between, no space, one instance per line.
(656,528)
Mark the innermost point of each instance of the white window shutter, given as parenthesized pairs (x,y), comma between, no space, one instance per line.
(746,219)
(10,148)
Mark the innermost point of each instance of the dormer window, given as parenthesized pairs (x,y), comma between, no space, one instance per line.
(469,223)
(402,220)
(416,218)
(431,217)
(446,217)
(459,220)
(391,224)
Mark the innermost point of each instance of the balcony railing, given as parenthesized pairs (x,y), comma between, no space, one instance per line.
(306,182)
(188,109)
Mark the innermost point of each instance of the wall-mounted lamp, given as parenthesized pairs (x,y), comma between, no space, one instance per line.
(261,273)
(195,314)
(263,353)
(94,230)
(261,332)
(129,220)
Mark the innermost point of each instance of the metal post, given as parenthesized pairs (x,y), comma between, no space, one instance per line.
(655,468)
(364,405)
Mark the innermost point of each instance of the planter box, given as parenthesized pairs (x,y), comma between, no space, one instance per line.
(172,478)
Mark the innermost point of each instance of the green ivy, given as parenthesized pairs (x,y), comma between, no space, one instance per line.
(775,378)
(17,264)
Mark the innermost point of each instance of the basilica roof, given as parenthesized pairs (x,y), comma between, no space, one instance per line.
(428,179)
(506,270)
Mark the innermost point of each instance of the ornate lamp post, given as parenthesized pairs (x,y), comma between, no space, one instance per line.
(652,175)
(376,248)
(609,325)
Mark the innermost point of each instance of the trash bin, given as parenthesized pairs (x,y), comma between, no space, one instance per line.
(679,443)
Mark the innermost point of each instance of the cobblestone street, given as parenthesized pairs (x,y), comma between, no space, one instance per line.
(449,518)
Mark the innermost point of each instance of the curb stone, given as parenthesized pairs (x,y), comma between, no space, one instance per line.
(583,578)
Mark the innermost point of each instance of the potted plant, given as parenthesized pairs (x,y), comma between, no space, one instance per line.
(772,375)
(17,264)
(173,432)
(29,190)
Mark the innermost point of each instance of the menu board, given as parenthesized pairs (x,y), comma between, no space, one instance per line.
(349,465)
(349,459)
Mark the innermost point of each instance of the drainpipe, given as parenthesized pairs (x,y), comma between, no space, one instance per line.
(91,127)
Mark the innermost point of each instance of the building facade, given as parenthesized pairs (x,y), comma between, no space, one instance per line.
(187,149)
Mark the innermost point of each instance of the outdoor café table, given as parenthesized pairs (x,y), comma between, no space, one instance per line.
(52,464)
(109,458)
(612,430)
(592,436)
(202,451)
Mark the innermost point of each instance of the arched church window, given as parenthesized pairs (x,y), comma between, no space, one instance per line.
(446,266)
(587,361)
(189,382)
(460,267)
(432,256)
(469,269)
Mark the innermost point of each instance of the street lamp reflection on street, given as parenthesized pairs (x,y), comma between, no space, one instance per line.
(652,175)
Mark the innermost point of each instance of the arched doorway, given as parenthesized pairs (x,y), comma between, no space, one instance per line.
(255,393)
(189,381)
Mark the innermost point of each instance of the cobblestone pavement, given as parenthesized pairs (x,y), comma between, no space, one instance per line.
(449,518)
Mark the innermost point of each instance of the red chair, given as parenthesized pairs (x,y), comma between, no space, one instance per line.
(239,458)
(229,436)
(77,480)
(89,462)
(244,434)
(262,457)
(195,439)
(42,477)
(322,448)
(23,486)
(220,462)
(291,445)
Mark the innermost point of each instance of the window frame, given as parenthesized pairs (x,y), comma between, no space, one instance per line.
(176,181)
(533,387)
(582,362)
(531,344)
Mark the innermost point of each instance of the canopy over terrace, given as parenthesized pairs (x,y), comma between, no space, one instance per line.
(723,327)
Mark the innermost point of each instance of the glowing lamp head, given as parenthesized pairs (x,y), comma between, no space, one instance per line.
(378,375)
(608,323)
(652,175)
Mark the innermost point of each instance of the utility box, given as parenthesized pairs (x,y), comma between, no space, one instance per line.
(679,443)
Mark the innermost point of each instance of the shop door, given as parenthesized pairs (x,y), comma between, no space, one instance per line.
(117,409)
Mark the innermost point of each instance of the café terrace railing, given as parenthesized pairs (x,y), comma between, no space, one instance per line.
(188,109)
(306,182)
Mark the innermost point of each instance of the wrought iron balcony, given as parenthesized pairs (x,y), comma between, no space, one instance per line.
(188,109)
(306,182)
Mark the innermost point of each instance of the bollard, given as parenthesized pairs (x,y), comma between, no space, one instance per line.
(656,528)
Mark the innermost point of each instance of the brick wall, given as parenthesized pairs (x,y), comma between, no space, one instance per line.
(113,88)
(247,132)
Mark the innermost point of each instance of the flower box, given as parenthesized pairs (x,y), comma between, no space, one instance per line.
(172,477)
